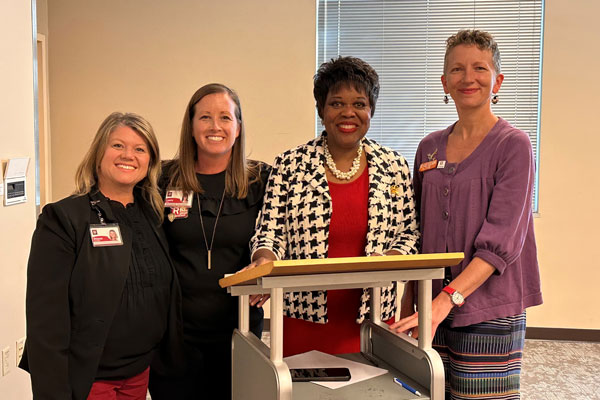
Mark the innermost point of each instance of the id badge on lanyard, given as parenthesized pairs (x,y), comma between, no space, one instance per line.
(179,202)
(104,234)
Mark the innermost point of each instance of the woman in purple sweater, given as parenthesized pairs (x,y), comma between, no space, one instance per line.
(473,185)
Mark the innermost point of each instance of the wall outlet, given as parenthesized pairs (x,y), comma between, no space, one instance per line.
(5,360)
(20,347)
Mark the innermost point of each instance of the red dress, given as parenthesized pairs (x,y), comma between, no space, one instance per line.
(347,238)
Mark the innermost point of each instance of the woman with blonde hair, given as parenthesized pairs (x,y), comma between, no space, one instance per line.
(100,312)
(208,237)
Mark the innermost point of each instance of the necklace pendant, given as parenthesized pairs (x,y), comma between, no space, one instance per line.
(212,240)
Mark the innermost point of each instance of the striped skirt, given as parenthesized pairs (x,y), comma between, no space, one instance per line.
(482,361)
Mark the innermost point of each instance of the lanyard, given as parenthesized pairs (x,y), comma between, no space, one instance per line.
(95,207)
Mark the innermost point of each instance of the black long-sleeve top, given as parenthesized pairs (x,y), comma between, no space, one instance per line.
(141,319)
(209,312)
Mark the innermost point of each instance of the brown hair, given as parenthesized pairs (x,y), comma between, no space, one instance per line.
(239,173)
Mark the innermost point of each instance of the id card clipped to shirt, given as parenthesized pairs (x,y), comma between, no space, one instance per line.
(106,235)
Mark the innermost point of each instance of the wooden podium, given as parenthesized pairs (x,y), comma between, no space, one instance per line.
(260,373)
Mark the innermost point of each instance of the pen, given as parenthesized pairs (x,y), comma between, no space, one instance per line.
(407,387)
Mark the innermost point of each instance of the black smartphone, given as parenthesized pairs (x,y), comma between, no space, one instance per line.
(320,374)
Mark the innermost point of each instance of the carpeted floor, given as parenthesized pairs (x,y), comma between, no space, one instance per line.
(556,370)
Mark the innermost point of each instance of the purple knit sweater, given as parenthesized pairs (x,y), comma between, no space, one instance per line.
(482,207)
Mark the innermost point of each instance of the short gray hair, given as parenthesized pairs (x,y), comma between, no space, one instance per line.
(483,40)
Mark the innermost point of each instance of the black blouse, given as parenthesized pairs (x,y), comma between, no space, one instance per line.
(209,313)
(141,319)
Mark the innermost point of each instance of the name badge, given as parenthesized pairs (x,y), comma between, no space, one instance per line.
(426,166)
(178,198)
(106,235)
(178,212)
(441,164)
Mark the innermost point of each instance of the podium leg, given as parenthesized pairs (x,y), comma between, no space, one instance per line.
(244,313)
(277,325)
(424,301)
(376,304)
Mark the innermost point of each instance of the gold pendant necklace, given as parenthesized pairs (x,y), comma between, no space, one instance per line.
(212,239)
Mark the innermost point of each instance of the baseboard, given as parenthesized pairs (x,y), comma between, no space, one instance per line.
(578,335)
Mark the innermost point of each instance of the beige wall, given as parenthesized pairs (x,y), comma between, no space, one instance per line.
(149,56)
(568,226)
(41,11)
(17,221)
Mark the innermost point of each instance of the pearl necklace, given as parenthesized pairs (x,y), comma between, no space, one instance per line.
(332,167)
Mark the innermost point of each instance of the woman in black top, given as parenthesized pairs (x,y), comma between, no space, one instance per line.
(213,196)
(102,296)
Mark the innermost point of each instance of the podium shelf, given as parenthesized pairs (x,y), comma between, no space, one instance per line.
(340,265)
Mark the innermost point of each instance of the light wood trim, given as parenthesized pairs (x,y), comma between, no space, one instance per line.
(44,139)
(343,264)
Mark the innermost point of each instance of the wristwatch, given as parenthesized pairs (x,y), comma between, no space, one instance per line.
(456,297)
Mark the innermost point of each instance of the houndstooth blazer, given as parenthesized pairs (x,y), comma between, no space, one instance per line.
(294,221)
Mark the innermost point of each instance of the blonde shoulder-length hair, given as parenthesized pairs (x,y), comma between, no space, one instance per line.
(239,173)
(86,177)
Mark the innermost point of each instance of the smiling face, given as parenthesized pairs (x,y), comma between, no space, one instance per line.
(346,117)
(124,163)
(470,77)
(215,126)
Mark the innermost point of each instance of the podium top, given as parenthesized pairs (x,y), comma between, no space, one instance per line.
(342,264)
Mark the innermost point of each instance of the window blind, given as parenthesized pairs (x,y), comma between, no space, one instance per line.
(405,42)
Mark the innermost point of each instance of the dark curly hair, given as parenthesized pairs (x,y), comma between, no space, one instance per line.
(342,71)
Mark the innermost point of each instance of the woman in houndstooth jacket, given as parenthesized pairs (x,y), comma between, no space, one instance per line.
(313,209)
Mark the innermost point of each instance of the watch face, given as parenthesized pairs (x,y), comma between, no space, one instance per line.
(457,298)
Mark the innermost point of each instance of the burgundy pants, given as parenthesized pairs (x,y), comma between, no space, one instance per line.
(133,388)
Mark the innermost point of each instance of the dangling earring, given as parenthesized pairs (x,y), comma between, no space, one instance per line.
(495,99)
(446,99)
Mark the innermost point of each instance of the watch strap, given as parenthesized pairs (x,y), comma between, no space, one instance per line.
(449,290)
(453,294)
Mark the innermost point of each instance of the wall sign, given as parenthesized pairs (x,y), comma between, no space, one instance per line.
(15,181)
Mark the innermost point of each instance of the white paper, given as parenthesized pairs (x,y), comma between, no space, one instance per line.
(16,168)
(315,359)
